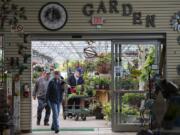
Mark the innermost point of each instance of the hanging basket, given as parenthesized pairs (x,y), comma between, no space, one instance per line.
(104,68)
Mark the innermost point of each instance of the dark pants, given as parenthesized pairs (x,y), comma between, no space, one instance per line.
(42,104)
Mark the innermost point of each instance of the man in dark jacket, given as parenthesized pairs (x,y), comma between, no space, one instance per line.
(73,81)
(55,96)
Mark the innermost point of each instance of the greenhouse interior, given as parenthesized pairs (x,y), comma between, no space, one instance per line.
(94,59)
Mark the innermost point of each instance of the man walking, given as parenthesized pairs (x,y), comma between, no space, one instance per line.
(54,96)
(40,91)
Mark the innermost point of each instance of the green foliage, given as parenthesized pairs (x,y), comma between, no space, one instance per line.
(74,64)
(133,99)
(38,68)
(89,66)
(147,65)
(128,84)
(79,89)
(127,110)
(35,75)
(107,111)
(104,58)
(96,80)
(89,90)
(102,82)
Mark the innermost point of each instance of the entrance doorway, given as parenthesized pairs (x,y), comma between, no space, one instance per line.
(93,59)
(129,75)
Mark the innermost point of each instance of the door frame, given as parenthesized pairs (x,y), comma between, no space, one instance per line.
(100,36)
(116,94)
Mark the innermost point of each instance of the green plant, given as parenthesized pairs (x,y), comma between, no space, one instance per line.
(35,75)
(89,90)
(146,70)
(89,66)
(104,82)
(107,111)
(127,110)
(133,99)
(79,89)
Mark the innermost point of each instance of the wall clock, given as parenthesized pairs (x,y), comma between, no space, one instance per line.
(53,16)
(175,22)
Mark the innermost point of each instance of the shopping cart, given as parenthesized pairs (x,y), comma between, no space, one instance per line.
(74,105)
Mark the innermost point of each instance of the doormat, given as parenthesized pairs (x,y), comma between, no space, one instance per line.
(65,129)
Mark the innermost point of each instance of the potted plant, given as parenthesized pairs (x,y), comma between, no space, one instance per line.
(104,83)
(129,113)
(107,111)
(97,82)
(98,110)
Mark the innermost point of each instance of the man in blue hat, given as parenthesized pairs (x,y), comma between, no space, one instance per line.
(73,81)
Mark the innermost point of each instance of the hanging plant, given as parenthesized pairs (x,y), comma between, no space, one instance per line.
(104,63)
(11,13)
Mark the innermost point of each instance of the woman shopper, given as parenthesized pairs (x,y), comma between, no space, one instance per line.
(55,96)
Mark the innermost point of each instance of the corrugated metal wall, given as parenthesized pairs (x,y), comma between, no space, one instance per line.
(78,23)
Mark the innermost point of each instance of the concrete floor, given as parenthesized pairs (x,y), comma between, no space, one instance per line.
(91,122)
(101,127)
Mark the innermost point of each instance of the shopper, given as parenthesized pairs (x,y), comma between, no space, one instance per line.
(73,81)
(55,96)
(76,78)
(40,90)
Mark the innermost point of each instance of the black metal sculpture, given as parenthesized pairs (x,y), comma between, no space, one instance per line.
(10,13)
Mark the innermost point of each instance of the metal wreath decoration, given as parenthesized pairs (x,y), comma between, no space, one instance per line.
(11,13)
(90,52)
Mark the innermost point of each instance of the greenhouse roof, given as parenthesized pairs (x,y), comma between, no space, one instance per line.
(69,50)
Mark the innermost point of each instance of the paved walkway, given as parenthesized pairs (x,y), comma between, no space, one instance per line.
(71,127)
(91,122)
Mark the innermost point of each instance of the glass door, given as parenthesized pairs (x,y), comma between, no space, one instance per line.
(134,63)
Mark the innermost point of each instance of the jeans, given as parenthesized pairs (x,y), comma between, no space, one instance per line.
(55,117)
(41,105)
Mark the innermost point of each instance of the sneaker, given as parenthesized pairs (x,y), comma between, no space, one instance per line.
(56,131)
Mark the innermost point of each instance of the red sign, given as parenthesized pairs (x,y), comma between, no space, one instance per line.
(97,20)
